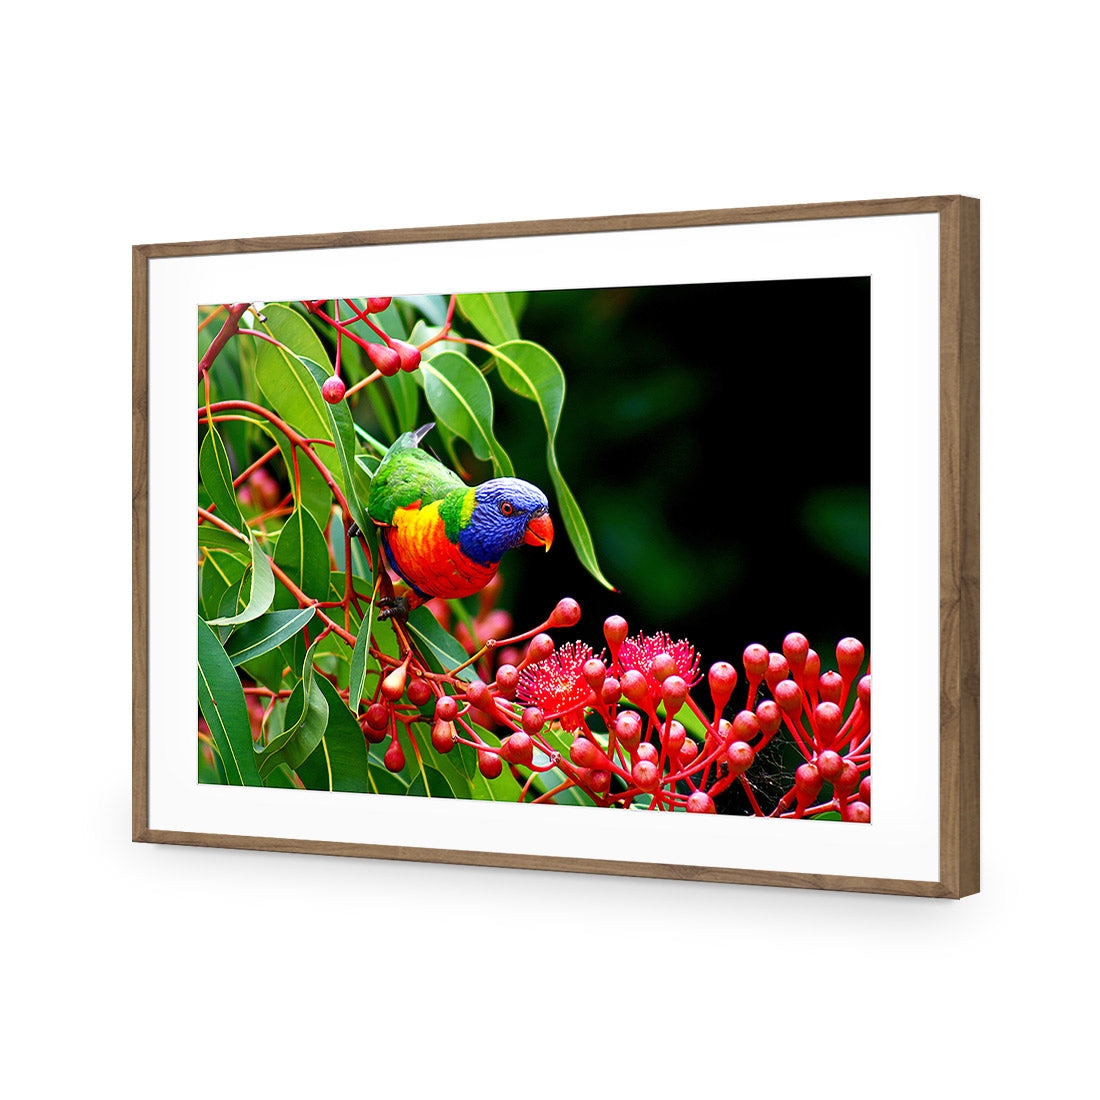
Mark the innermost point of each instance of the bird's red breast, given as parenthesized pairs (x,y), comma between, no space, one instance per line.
(428,560)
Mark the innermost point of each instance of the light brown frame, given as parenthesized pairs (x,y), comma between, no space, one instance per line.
(959,530)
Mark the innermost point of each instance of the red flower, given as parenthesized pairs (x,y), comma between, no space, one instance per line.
(638,653)
(557,685)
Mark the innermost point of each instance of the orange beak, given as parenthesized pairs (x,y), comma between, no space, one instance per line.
(540,531)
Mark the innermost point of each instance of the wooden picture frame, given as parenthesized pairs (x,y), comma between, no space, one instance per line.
(958,579)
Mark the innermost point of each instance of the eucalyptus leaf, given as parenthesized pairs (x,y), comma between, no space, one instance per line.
(257,637)
(461,398)
(491,315)
(221,700)
(531,371)
(217,478)
(261,593)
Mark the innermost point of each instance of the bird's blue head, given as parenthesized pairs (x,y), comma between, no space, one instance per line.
(507,512)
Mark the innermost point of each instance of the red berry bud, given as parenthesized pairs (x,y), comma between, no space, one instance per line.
(739,756)
(489,764)
(533,720)
(778,669)
(478,695)
(539,648)
(333,390)
(662,666)
(811,672)
(634,686)
(830,687)
(386,361)
(848,780)
(865,790)
(856,811)
(863,692)
(599,781)
(725,735)
(646,776)
(689,750)
(807,783)
(378,716)
(796,648)
(699,802)
(377,305)
(419,692)
(675,737)
(566,613)
(789,697)
(615,631)
(674,691)
(628,729)
(395,756)
(393,686)
(849,658)
(828,718)
(585,754)
(647,751)
(595,672)
(722,679)
(745,726)
(507,680)
(755,659)
(611,691)
(407,355)
(446,708)
(443,736)
(830,765)
(769,716)
(518,749)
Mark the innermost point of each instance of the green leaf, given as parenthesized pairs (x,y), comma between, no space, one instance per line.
(216,538)
(531,371)
(405,396)
(292,329)
(302,554)
(431,782)
(221,700)
(219,571)
(262,591)
(360,657)
(307,713)
(502,789)
(217,478)
(438,646)
(433,306)
(267,669)
(291,390)
(341,762)
(491,315)
(517,299)
(422,333)
(265,633)
(343,431)
(461,398)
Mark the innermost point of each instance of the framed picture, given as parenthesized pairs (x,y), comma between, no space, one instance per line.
(563,545)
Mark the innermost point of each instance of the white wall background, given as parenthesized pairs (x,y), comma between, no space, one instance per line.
(144,971)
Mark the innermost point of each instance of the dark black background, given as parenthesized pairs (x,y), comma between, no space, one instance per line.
(717,439)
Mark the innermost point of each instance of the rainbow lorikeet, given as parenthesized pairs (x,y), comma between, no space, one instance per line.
(442,536)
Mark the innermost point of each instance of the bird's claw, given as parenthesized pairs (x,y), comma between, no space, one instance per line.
(394,607)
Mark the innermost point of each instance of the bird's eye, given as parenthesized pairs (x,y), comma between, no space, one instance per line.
(506,509)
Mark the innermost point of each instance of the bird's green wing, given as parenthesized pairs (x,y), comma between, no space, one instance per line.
(407,474)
